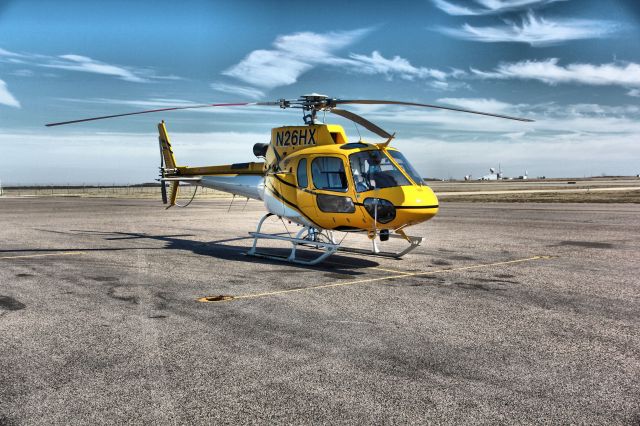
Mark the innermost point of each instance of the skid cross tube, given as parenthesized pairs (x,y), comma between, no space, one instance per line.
(311,237)
(328,248)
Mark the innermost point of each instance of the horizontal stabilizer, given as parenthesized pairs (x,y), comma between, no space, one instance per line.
(227,169)
(177,179)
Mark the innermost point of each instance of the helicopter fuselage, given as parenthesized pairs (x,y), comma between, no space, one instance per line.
(315,177)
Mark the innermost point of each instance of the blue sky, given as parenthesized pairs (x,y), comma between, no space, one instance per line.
(572,65)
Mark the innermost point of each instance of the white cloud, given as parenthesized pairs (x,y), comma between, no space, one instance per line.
(151,74)
(9,54)
(242,91)
(269,69)
(308,45)
(294,54)
(378,64)
(478,104)
(634,92)
(297,53)
(536,31)
(585,110)
(73,62)
(441,85)
(85,64)
(488,6)
(548,71)
(23,73)
(454,9)
(6,98)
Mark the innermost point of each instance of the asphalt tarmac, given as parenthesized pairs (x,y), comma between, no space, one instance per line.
(508,313)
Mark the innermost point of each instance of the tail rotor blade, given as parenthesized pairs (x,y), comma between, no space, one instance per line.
(163,191)
(163,185)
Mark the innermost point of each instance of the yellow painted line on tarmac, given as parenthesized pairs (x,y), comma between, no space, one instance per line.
(369,267)
(27,256)
(390,270)
(228,298)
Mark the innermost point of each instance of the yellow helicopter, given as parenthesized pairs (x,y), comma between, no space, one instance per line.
(313,176)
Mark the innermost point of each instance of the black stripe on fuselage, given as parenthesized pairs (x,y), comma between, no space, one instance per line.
(406,207)
(281,198)
(284,181)
(416,207)
(295,206)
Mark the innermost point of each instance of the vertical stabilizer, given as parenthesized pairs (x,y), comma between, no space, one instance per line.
(165,149)
(167,165)
(173,193)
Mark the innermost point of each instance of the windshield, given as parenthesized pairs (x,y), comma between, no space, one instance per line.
(406,166)
(373,169)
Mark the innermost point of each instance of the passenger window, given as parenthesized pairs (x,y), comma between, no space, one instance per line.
(303,179)
(328,173)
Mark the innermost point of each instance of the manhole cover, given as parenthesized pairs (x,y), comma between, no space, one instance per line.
(220,298)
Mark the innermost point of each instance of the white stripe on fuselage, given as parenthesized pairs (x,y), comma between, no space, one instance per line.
(252,186)
(280,208)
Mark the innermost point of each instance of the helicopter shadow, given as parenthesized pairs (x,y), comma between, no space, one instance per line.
(219,249)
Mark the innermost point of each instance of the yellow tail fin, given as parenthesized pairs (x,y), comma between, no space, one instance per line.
(168,166)
(165,149)
(173,193)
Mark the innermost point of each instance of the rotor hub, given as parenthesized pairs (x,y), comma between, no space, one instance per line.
(310,105)
(313,101)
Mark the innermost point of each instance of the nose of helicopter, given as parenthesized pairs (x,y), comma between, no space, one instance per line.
(418,205)
(398,207)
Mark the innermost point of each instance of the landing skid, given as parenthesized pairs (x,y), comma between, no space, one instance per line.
(307,237)
(322,240)
(414,242)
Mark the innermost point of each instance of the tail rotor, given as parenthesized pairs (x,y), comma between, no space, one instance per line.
(163,185)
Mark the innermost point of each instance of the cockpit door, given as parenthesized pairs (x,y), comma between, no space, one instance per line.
(305,197)
(333,191)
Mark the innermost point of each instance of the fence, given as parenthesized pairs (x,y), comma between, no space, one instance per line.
(114,191)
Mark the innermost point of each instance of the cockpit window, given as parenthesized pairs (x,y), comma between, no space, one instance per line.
(406,166)
(328,173)
(372,169)
(303,179)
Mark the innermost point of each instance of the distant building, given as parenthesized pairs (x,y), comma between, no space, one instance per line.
(493,175)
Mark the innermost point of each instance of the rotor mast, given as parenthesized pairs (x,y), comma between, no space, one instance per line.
(310,105)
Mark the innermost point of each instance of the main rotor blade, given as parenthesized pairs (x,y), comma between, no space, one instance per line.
(380,102)
(159,110)
(361,121)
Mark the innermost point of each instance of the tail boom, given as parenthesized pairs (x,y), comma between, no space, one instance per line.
(243,179)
